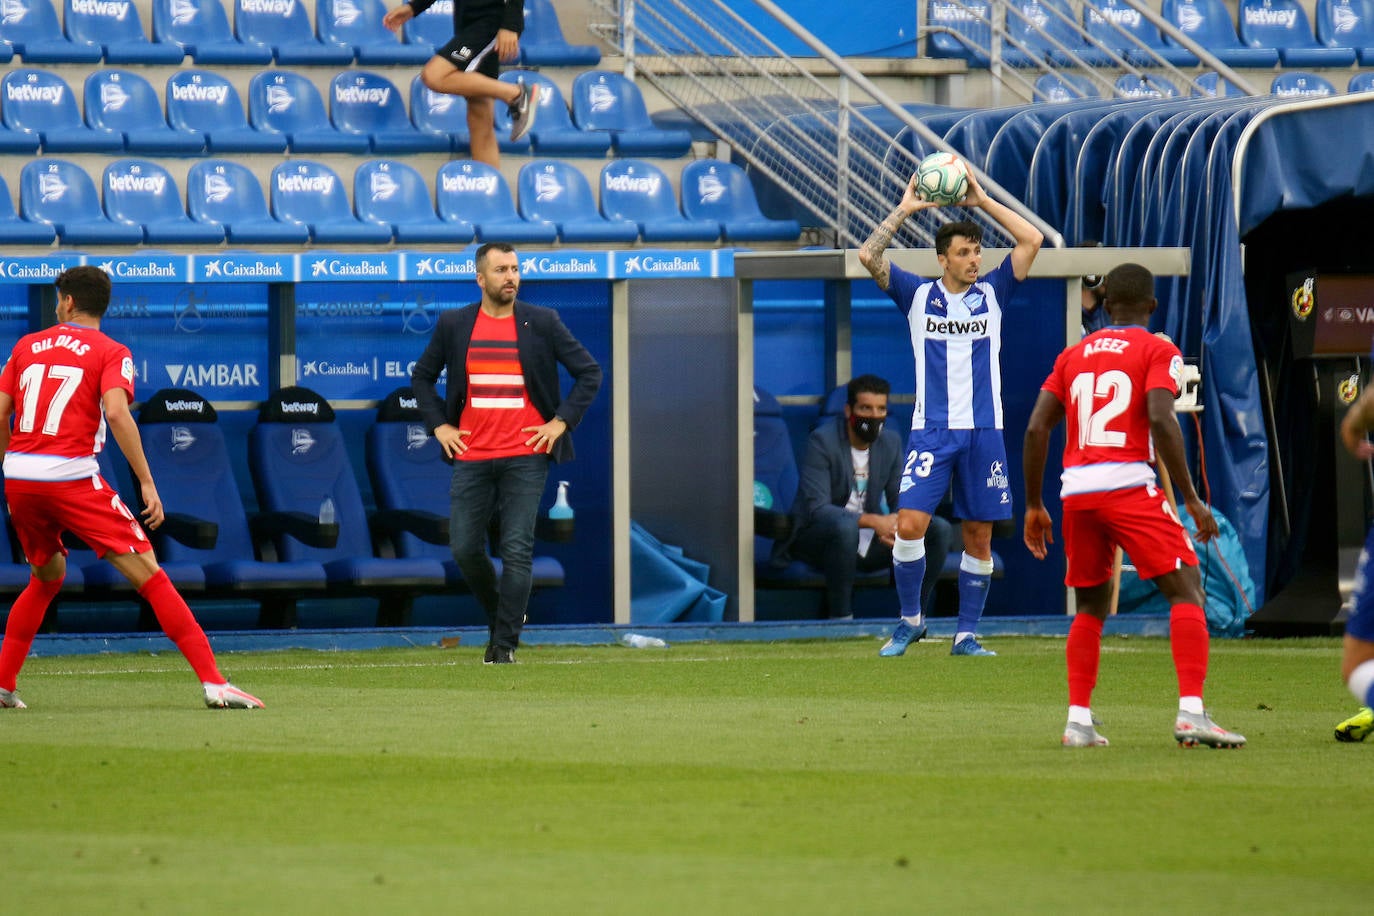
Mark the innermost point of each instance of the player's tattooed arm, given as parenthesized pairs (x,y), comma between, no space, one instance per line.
(873,254)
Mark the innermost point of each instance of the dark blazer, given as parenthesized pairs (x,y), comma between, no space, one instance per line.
(827,472)
(543,342)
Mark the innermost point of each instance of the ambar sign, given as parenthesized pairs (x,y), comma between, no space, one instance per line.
(221,375)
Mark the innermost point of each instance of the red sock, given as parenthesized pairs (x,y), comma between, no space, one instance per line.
(26,616)
(1188,639)
(180,625)
(1082,653)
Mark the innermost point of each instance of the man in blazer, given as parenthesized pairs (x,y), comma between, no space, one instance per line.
(501,421)
(844,518)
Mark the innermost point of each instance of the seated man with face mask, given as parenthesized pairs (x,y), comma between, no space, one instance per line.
(844,519)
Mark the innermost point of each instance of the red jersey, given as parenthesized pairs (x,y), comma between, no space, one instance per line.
(1102,383)
(56,379)
(497,407)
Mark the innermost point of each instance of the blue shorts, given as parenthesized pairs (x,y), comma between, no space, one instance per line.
(978,460)
(1360,624)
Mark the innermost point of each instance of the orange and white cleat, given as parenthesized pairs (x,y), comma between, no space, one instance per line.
(227,696)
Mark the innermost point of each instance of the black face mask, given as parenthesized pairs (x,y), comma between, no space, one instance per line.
(867,429)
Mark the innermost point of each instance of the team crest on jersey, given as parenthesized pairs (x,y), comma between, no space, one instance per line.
(1303,300)
(1176,371)
(1349,389)
(126,368)
(997,477)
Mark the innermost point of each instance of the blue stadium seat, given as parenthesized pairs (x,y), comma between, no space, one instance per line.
(201,27)
(1130,86)
(1283,24)
(224,193)
(297,458)
(552,191)
(475,193)
(1347,24)
(1208,23)
(118,30)
(122,100)
(369,105)
(61,194)
(16,231)
(1211,85)
(720,191)
(1115,24)
(959,30)
(640,192)
(142,193)
(288,103)
(18,141)
(42,104)
(406,467)
(358,24)
(189,458)
(312,193)
(542,44)
(1035,31)
(607,101)
(1064,87)
(32,30)
(554,133)
(440,114)
(392,194)
(1296,84)
(285,27)
(431,29)
(1361,82)
(199,100)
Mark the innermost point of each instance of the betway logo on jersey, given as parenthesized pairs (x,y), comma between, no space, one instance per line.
(317,184)
(149,268)
(108,9)
(196,92)
(362,95)
(647,185)
(220,375)
(1261,15)
(245,266)
(277,7)
(464,267)
(354,267)
(483,184)
(27,92)
(142,184)
(949,327)
(567,265)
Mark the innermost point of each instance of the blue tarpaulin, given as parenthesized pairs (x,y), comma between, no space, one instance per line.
(667,586)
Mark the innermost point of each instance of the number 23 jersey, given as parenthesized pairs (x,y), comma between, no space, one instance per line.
(1102,383)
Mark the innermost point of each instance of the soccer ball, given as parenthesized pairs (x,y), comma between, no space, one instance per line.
(942,178)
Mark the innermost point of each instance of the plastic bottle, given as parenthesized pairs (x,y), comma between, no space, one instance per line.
(560,508)
(640,641)
(327,511)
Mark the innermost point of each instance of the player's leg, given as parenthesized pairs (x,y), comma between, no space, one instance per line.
(520,486)
(829,541)
(925,477)
(1089,550)
(982,495)
(26,616)
(472,500)
(1357,659)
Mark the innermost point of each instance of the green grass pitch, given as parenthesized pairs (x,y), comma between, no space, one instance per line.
(801,777)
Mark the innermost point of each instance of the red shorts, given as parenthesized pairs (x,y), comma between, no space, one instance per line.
(90,509)
(1140,520)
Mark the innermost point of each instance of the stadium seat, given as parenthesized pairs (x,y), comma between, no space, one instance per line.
(41,104)
(224,193)
(634,190)
(392,194)
(720,191)
(369,105)
(1130,86)
(542,43)
(288,103)
(552,191)
(142,193)
(1347,24)
(606,101)
(297,459)
(285,28)
(61,194)
(477,194)
(202,101)
(358,24)
(16,231)
(118,29)
(554,133)
(1208,23)
(1064,87)
(440,114)
(1361,82)
(122,100)
(1120,27)
(189,458)
(18,141)
(1211,85)
(959,30)
(1296,84)
(32,30)
(202,29)
(312,193)
(1035,31)
(1283,24)
(431,29)
(410,481)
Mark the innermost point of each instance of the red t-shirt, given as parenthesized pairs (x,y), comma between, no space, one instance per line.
(497,407)
(56,379)
(1102,383)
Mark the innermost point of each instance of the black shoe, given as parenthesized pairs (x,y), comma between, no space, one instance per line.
(500,656)
(523,110)
(490,657)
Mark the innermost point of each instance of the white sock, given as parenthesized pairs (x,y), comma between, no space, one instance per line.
(1361,682)
(1080,715)
(961,636)
(914,621)
(1190,704)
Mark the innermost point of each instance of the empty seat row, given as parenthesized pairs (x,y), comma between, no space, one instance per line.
(263,31)
(139,202)
(1266,33)
(1068,87)
(366,113)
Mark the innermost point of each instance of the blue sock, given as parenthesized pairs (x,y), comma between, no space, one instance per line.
(974,577)
(908,571)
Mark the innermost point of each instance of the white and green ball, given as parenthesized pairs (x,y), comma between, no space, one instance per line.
(942,178)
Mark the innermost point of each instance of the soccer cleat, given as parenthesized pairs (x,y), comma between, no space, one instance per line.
(501,656)
(969,646)
(489,657)
(1076,735)
(1192,729)
(523,110)
(903,636)
(227,696)
(9,701)
(1356,728)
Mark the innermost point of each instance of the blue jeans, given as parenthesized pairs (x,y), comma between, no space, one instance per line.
(511,487)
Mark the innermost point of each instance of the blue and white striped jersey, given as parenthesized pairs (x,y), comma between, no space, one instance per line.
(957,342)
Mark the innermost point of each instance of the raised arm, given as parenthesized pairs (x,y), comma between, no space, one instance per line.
(1028,239)
(873,253)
